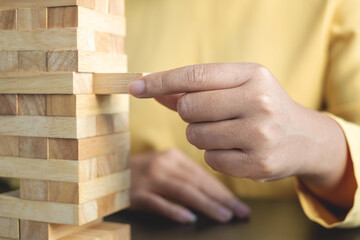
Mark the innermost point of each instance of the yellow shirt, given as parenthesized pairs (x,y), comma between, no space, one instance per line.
(311,46)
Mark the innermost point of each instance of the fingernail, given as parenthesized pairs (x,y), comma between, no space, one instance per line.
(137,87)
(224,214)
(241,210)
(187,217)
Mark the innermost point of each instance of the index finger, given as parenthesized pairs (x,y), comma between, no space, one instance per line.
(193,78)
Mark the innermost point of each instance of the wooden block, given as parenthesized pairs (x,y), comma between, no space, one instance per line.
(8,104)
(46,83)
(88,147)
(109,43)
(32,189)
(65,61)
(41,39)
(52,127)
(8,60)
(86,105)
(32,61)
(8,20)
(57,231)
(34,105)
(117,7)
(77,193)
(63,17)
(31,230)
(12,4)
(112,203)
(101,22)
(84,61)
(9,228)
(33,147)
(112,163)
(9,146)
(29,168)
(31,18)
(102,6)
(113,83)
(88,170)
(112,123)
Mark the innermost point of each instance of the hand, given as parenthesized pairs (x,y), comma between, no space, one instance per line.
(248,124)
(166,182)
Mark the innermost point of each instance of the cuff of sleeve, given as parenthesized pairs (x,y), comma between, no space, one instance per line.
(314,208)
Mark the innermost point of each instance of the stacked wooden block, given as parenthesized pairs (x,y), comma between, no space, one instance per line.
(66,143)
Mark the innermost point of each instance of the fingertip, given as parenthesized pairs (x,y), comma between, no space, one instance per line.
(137,88)
(187,217)
(241,210)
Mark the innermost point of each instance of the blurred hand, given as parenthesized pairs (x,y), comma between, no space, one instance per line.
(168,182)
(248,124)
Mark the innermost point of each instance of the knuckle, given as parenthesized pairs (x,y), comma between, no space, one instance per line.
(156,166)
(184,107)
(264,169)
(196,75)
(265,104)
(262,72)
(263,134)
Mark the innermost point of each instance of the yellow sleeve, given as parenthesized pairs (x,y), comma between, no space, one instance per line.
(342,99)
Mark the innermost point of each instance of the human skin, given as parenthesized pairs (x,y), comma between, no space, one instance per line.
(251,128)
(168,182)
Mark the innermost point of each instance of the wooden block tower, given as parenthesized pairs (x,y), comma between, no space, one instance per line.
(63,118)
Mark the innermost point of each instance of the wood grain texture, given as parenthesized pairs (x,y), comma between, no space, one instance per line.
(112,123)
(8,20)
(63,17)
(85,61)
(34,105)
(8,60)
(103,231)
(9,146)
(77,193)
(88,148)
(46,83)
(32,61)
(53,127)
(102,6)
(9,228)
(112,163)
(57,231)
(30,168)
(31,18)
(109,43)
(12,4)
(8,104)
(40,39)
(101,22)
(64,61)
(86,104)
(33,147)
(32,189)
(113,83)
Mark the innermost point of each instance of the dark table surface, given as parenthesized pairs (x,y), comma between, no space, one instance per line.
(270,219)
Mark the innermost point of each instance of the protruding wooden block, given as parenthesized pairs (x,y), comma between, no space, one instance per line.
(86,148)
(34,105)
(34,147)
(8,104)
(8,61)
(32,61)
(32,18)
(62,17)
(112,83)
(9,146)
(9,228)
(86,104)
(8,20)
(37,190)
